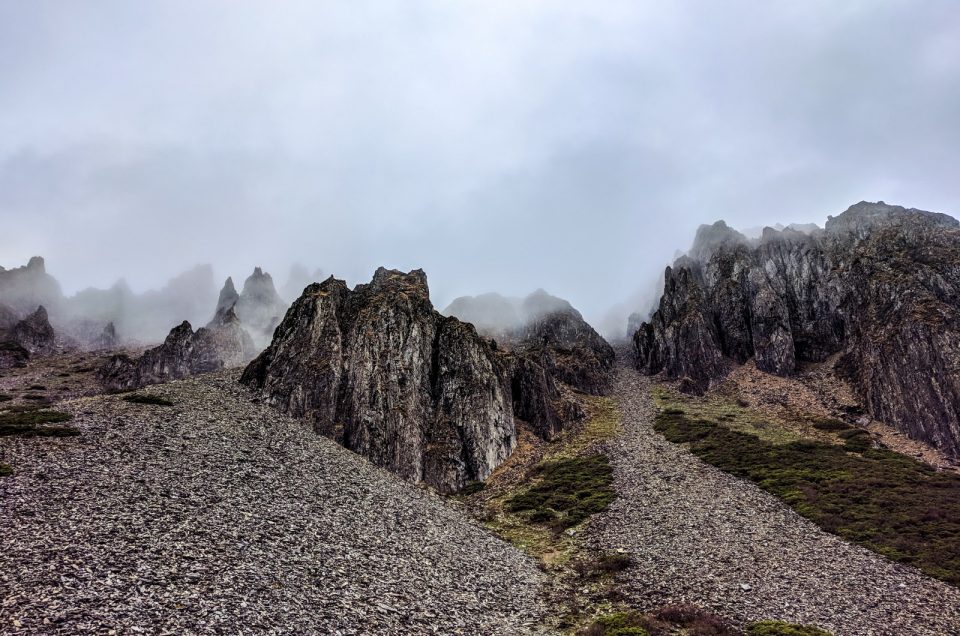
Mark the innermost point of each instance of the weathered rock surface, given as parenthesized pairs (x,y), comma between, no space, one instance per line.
(184,353)
(880,283)
(34,333)
(569,348)
(547,344)
(379,370)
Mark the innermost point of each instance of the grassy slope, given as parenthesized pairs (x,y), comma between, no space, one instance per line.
(882,500)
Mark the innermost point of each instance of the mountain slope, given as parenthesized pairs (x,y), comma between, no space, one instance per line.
(880,283)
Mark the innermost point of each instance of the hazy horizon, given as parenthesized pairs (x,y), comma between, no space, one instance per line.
(499,146)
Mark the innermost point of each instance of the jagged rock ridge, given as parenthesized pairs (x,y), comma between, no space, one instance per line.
(880,283)
(379,370)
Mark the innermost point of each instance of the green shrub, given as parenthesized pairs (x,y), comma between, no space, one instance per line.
(884,501)
(35,423)
(5,470)
(780,628)
(827,424)
(146,398)
(567,491)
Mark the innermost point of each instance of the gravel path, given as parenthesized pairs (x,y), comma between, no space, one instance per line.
(702,536)
(221,516)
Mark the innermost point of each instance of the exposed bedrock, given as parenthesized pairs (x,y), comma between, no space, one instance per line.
(378,369)
(184,352)
(880,283)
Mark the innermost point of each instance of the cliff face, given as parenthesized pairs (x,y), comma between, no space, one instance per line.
(379,370)
(880,283)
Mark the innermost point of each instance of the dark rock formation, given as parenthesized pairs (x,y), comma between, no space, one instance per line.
(379,370)
(880,283)
(108,338)
(227,301)
(182,354)
(34,333)
(568,348)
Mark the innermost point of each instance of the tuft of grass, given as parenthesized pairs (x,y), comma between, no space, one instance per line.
(36,423)
(780,628)
(828,424)
(567,491)
(884,501)
(146,398)
(5,470)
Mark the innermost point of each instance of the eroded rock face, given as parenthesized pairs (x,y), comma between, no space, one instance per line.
(880,283)
(182,354)
(569,349)
(380,371)
(34,333)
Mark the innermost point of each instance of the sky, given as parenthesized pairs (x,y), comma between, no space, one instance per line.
(500,145)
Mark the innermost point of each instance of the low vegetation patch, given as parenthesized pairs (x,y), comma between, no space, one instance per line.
(687,620)
(5,470)
(779,628)
(882,500)
(146,398)
(36,423)
(567,491)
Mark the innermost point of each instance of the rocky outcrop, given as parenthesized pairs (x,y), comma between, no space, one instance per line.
(259,306)
(184,353)
(880,283)
(226,302)
(548,331)
(569,349)
(379,370)
(108,338)
(34,333)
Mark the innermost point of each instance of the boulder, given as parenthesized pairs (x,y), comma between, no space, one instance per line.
(34,333)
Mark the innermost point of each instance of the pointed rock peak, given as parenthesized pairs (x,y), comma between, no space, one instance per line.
(412,282)
(228,286)
(36,263)
(710,238)
(39,314)
(257,271)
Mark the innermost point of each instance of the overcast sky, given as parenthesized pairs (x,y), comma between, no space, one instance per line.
(498,144)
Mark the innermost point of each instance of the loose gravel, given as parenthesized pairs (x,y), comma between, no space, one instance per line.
(702,536)
(221,516)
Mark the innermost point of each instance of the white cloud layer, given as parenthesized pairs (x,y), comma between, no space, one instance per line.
(500,145)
